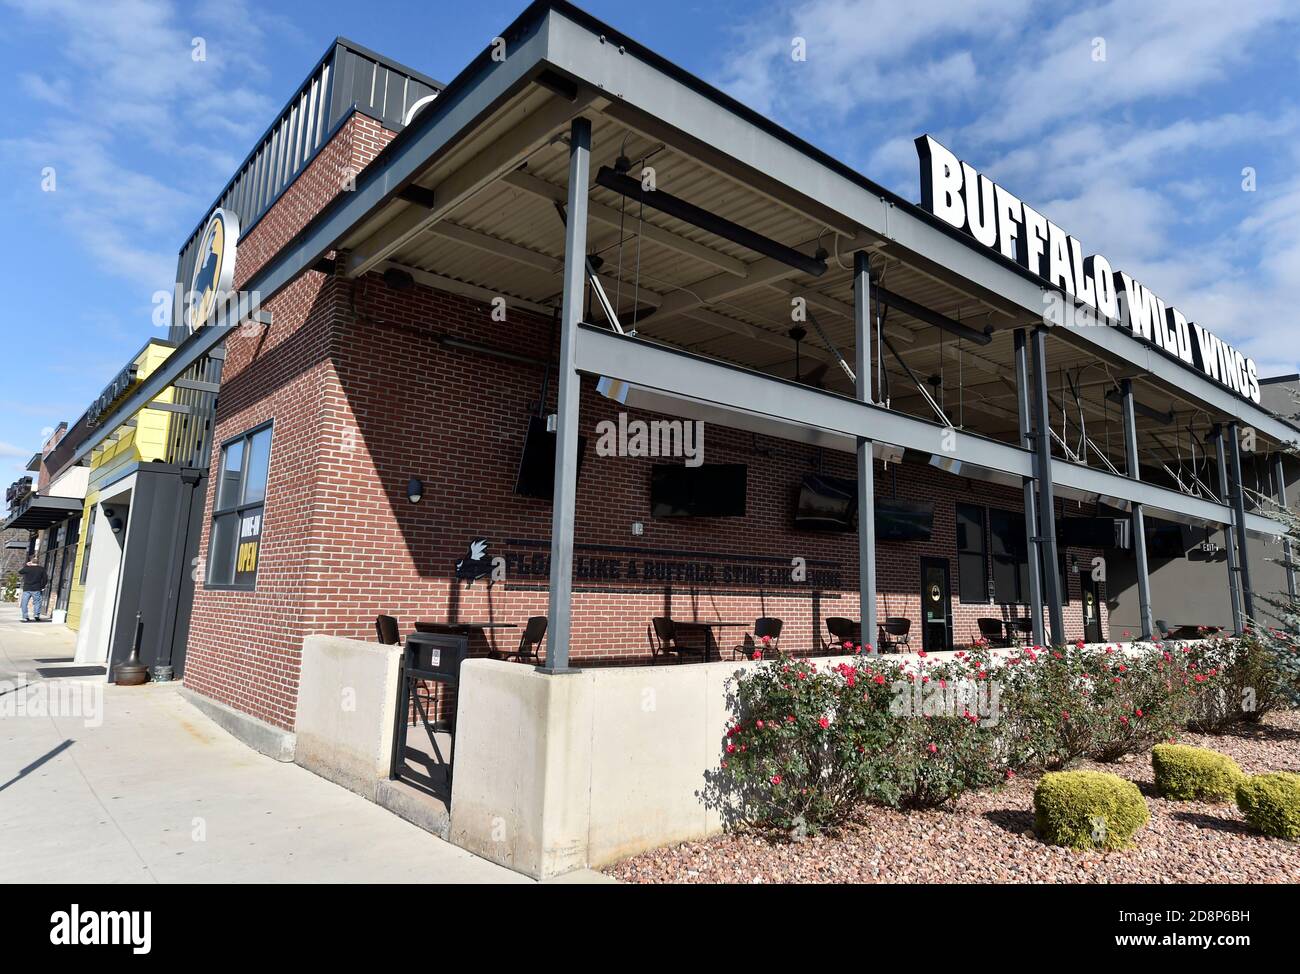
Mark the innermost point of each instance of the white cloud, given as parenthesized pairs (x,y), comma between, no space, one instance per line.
(1153,49)
(861,52)
(56,92)
(129,94)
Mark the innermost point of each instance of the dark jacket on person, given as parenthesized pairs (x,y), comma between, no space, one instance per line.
(34,578)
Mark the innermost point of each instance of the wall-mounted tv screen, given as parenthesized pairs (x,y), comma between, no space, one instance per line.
(826,503)
(1165,540)
(1091,532)
(709,490)
(904,520)
(537,466)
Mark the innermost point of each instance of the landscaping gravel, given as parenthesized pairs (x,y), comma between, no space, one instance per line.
(987,837)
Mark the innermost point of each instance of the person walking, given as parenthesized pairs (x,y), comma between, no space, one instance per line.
(33,579)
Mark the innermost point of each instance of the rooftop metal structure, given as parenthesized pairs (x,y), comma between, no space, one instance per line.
(347,78)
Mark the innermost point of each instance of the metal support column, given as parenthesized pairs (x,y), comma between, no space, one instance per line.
(866,459)
(1133,469)
(569,393)
(1279,474)
(1030,486)
(1046,495)
(1229,531)
(1239,512)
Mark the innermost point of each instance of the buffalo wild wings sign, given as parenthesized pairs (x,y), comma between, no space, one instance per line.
(956,193)
(214,267)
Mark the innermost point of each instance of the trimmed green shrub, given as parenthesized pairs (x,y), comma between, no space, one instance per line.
(1088,810)
(1185,773)
(1271,803)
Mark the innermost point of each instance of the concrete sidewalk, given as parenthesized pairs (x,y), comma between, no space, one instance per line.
(147,789)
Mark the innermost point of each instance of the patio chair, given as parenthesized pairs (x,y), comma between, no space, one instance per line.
(842,631)
(679,638)
(663,636)
(991,631)
(389,633)
(894,635)
(530,643)
(1020,631)
(766,627)
(387,630)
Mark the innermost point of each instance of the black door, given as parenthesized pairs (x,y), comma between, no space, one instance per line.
(936,605)
(1091,607)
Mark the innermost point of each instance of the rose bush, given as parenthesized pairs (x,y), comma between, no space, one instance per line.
(944,739)
(800,751)
(1257,673)
(811,743)
(1141,699)
(1074,701)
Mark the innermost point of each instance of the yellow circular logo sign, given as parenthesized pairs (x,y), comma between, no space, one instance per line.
(214,267)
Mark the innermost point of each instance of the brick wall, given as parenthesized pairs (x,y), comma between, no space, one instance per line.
(243,647)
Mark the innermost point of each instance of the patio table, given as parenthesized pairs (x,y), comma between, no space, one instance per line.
(711,641)
(460,628)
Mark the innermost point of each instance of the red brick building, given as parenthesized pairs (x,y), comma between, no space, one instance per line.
(388,257)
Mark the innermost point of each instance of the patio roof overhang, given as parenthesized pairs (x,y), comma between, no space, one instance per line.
(40,512)
(421,206)
(680,283)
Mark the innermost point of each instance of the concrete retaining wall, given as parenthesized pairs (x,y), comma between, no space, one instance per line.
(555,773)
(347,696)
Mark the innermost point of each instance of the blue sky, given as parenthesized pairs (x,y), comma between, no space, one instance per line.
(1139,155)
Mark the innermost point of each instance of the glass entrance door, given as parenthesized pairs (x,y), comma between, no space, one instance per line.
(936,605)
